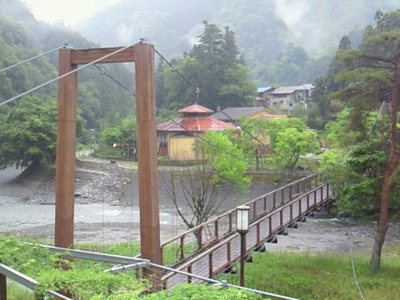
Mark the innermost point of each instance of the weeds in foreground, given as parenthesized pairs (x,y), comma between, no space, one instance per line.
(323,276)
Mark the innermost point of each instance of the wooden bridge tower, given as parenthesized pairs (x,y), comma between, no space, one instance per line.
(69,59)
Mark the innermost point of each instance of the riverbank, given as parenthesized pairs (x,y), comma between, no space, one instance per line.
(107,211)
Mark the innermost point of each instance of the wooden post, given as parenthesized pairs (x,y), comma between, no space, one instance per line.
(242,257)
(3,287)
(146,153)
(182,247)
(210,265)
(65,160)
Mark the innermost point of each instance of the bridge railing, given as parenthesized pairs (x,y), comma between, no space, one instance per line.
(196,239)
(220,256)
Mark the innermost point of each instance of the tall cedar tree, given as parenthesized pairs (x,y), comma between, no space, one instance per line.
(372,78)
(214,66)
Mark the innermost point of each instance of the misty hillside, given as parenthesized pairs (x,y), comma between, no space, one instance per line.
(100,100)
(265,30)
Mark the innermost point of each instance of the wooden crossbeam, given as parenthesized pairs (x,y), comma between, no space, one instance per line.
(85,56)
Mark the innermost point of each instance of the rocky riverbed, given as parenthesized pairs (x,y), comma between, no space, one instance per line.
(106,211)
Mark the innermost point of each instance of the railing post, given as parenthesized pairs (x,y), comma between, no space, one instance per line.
(182,247)
(200,237)
(258,233)
(265,204)
(270,225)
(282,196)
(274,200)
(190,271)
(290,191)
(230,222)
(254,210)
(308,201)
(300,202)
(3,287)
(291,212)
(281,217)
(228,250)
(216,229)
(315,197)
(210,265)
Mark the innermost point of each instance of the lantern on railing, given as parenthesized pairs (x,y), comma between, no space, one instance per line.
(242,226)
(243,213)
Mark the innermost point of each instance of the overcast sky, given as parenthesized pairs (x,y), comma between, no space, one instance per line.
(68,11)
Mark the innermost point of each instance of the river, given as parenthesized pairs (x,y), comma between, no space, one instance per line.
(105,223)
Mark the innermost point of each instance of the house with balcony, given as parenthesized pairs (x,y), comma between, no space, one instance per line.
(286,97)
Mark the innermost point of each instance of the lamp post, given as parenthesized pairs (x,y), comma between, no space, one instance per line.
(242,227)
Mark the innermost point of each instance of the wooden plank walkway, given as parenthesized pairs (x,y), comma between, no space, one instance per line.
(214,246)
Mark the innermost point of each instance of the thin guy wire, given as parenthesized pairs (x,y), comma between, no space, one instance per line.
(32,58)
(65,75)
(183,127)
(103,72)
(377,116)
(198,92)
(131,93)
(354,269)
(203,139)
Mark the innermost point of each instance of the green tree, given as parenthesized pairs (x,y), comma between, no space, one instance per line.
(324,100)
(199,185)
(291,144)
(255,140)
(372,79)
(287,138)
(125,130)
(28,134)
(214,67)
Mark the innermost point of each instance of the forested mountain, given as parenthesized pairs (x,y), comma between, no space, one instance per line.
(283,42)
(100,100)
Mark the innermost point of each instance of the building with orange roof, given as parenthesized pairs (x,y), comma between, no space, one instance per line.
(177,138)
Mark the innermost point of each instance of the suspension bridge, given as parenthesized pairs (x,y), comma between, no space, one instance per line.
(214,246)
(202,252)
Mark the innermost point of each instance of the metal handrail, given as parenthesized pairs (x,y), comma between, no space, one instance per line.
(26,281)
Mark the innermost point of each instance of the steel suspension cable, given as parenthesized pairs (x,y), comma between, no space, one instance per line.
(195,134)
(198,92)
(32,58)
(103,72)
(132,93)
(66,74)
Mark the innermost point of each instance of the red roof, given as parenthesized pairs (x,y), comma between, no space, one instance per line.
(195,108)
(195,124)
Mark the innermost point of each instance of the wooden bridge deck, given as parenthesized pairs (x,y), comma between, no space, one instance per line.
(214,246)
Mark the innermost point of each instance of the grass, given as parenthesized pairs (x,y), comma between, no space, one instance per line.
(17,292)
(304,275)
(320,276)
